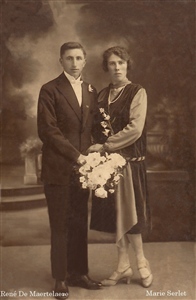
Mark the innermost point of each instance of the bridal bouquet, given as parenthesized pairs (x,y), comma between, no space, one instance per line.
(101,172)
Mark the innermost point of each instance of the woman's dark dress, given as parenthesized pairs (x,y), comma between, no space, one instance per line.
(126,211)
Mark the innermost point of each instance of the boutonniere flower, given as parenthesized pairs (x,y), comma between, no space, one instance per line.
(90,89)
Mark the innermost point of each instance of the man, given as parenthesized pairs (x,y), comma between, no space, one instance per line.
(66,108)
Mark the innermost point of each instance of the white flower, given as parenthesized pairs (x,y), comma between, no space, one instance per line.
(83,169)
(107,117)
(94,159)
(101,192)
(97,177)
(117,178)
(82,179)
(104,124)
(108,168)
(90,89)
(106,132)
(104,114)
(117,160)
(84,185)
(92,186)
(101,110)
(101,172)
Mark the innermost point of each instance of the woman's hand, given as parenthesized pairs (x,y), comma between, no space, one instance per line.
(95,148)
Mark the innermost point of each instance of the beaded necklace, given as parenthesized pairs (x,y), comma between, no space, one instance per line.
(117,90)
(113,94)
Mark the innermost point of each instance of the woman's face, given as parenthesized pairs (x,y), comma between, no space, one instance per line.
(117,68)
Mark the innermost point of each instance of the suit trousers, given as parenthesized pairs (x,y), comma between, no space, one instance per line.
(68,216)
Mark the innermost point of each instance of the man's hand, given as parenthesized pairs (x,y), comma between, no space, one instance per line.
(95,148)
(81,159)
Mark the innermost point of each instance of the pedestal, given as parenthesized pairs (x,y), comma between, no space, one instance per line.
(30,176)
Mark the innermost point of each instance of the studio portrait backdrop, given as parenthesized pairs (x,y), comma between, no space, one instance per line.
(160,37)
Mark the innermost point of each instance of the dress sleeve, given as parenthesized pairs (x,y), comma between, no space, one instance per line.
(132,132)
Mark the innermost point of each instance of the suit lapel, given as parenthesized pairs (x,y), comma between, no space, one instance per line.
(66,89)
(85,102)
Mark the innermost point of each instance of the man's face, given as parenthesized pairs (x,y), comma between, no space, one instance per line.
(73,62)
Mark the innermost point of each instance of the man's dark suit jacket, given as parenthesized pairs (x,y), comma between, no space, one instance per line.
(64,127)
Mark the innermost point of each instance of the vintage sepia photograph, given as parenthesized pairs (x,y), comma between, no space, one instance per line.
(97,150)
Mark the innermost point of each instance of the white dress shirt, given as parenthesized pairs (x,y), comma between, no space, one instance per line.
(76,85)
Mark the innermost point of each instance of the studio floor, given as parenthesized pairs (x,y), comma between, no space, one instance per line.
(26,272)
(25,258)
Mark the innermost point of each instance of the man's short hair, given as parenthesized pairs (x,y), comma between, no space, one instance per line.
(119,51)
(71,45)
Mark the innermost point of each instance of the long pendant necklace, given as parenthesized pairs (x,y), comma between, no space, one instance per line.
(114,93)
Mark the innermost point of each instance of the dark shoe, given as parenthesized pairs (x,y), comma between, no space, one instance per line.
(61,290)
(84,281)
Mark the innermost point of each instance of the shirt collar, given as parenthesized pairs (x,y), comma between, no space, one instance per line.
(72,80)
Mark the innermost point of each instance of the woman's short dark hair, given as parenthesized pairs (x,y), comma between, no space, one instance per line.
(71,45)
(119,51)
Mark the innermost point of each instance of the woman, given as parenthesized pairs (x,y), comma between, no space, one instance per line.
(122,117)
